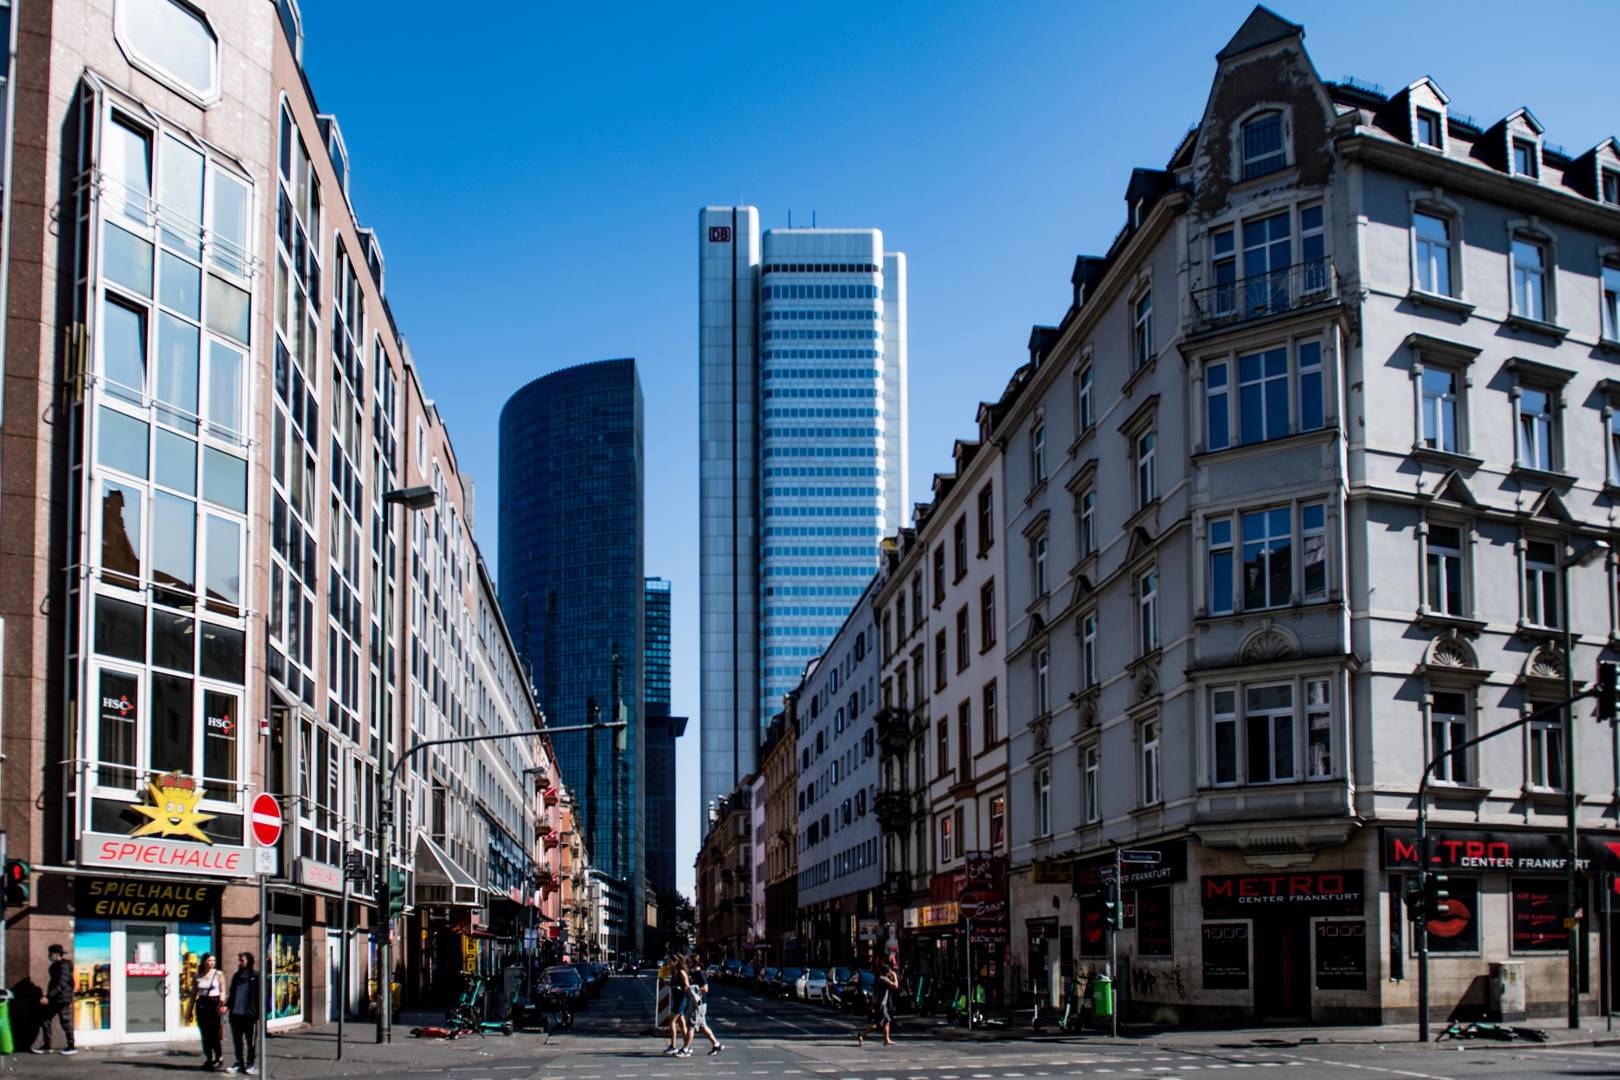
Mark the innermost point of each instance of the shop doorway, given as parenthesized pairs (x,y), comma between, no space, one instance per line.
(133,980)
(1282,967)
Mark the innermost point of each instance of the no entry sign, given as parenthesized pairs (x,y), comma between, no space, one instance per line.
(266,819)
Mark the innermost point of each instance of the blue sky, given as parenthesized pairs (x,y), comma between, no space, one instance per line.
(534,172)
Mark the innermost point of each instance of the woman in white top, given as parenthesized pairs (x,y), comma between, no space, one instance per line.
(208,1003)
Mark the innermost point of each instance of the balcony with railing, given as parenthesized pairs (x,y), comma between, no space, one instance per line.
(893,809)
(1292,288)
(893,727)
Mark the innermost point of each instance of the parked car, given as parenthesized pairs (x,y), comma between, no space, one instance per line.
(588,975)
(855,996)
(765,979)
(836,978)
(811,984)
(745,975)
(566,977)
(729,970)
(785,980)
(712,972)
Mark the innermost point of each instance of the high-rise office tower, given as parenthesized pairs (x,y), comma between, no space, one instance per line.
(802,361)
(572,591)
(662,731)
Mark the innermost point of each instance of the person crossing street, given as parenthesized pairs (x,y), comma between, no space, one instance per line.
(697,1008)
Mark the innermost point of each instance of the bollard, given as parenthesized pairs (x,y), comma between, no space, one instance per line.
(1102,996)
(6,1046)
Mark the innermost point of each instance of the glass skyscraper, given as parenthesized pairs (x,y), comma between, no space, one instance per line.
(572,591)
(803,398)
(662,731)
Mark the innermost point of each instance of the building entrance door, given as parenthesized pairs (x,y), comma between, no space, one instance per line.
(134,981)
(1282,967)
(146,979)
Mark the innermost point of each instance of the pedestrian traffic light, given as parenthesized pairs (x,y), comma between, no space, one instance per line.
(1436,897)
(1113,913)
(19,879)
(1608,690)
(396,894)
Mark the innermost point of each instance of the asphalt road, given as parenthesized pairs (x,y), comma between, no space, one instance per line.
(799,1041)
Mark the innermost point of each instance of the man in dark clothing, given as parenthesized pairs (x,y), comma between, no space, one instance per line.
(58,1000)
(243,1003)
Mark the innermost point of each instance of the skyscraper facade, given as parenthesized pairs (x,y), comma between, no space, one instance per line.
(662,731)
(803,389)
(572,590)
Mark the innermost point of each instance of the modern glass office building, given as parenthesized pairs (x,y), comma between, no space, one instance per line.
(572,589)
(803,388)
(662,731)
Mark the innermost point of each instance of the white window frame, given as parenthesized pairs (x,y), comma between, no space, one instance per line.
(1151,778)
(1090,776)
(1539,586)
(1432,406)
(1145,463)
(1421,114)
(1043,680)
(1147,611)
(1241,129)
(1609,298)
(1037,454)
(1443,564)
(1087,533)
(1544,277)
(1541,434)
(1445,730)
(1043,801)
(1272,716)
(1039,547)
(1224,714)
(1085,415)
(121,33)
(1088,650)
(1544,755)
(1430,254)
(1142,330)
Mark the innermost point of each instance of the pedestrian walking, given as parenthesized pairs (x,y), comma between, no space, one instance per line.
(677,1003)
(697,1009)
(58,1001)
(208,1006)
(242,1005)
(883,991)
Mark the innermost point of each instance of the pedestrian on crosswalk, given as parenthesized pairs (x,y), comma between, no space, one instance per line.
(677,979)
(883,991)
(697,1008)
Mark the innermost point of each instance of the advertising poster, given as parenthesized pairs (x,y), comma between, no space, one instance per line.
(287,972)
(1226,956)
(1539,905)
(1341,955)
(1458,932)
(92,974)
(195,939)
(1153,922)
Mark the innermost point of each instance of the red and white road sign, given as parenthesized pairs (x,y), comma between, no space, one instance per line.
(266,817)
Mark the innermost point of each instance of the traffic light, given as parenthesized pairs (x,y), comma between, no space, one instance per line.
(1113,913)
(19,882)
(1608,690)
(1414,902)
(1436,897)
(396,894)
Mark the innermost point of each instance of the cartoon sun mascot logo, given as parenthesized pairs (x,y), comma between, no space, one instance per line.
(173,811)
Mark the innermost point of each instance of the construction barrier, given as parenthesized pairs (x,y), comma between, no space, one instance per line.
(661,1000)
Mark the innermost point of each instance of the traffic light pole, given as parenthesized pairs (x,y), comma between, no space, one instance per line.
(1425,857)
(387,779)
(1115,926)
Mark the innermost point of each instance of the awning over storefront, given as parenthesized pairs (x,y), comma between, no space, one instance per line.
(440,882)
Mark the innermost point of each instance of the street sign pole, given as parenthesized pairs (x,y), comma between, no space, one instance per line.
(1113,939)
(265,821)
(967,941)
(343,959)
(265,996)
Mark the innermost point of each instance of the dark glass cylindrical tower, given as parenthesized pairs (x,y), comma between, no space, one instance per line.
(572,591)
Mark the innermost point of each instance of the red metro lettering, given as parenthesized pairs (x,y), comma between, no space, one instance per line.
(170,857)
(1239,895)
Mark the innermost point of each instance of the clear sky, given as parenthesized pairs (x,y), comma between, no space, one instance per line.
(534,172)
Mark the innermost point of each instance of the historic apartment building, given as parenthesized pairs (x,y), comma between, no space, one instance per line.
(209,595)
(779,772)
(1291,495)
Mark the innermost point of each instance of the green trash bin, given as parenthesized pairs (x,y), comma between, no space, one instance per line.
(1102,996)
(6,1046)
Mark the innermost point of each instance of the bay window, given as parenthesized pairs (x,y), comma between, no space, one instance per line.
(1269,733)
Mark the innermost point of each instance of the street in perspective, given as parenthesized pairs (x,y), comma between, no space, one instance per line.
(1120,576)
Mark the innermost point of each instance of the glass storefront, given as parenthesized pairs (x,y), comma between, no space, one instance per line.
(133,980)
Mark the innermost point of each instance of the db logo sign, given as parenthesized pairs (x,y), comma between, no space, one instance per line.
(720,234)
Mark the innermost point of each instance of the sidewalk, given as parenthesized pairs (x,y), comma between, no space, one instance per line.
(1593,1032)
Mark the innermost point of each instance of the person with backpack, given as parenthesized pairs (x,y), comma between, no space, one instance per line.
(697,1009)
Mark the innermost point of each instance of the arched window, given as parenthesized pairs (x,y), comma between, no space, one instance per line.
(1263,145)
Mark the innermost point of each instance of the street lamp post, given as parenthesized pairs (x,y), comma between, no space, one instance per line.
(1572,879)
(421,497)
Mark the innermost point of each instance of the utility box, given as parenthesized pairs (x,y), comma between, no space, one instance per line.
(1507,991)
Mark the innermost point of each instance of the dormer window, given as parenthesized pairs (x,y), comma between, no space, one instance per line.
(1525,158)
(1428,128)
(1263,146)
(1611,187)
